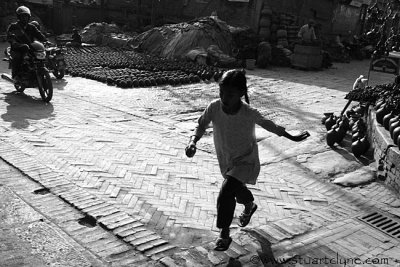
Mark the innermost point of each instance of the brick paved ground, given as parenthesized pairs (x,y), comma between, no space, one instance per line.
(117,155)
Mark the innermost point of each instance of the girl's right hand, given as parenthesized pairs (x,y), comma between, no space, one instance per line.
(190,150)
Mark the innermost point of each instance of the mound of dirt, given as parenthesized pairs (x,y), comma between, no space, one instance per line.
(176,40)
(94,32)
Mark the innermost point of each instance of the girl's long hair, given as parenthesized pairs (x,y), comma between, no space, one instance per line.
(236,79)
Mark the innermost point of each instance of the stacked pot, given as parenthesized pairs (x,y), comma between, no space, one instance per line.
(292,31)
(389,119)
(264,24)
(281,34)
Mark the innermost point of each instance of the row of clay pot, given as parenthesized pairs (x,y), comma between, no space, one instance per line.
(389,119)
(337,128)
(360,143)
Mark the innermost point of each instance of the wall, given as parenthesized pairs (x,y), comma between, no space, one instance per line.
(380,140)
(247,14)
(67,16)
(321,11)
(345,20)
(234,13)
(327,13)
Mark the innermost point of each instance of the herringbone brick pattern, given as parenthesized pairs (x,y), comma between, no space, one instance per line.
(125,147)
(139,166)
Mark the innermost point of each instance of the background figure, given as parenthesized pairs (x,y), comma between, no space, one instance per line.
(307,33)
(76,39)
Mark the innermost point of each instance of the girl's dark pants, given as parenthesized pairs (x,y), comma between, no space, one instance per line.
(232,191)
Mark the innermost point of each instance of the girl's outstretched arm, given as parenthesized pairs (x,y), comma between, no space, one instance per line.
(297,138)
(279,130)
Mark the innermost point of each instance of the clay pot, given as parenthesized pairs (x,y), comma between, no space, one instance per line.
(353,122)
(396,133)
(340,134)
(386,120)
(331,137)
(394,118)
(360,146)
(380,113)
(356,127)
(379,103)
(365,143)
(359,110)
(344,124)
(393,126)
(356,148)
(330,122)
(355,136)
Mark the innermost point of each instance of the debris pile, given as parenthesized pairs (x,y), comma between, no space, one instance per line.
(176,40)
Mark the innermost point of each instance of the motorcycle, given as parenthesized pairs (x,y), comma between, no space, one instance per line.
(55,61)
(33,71)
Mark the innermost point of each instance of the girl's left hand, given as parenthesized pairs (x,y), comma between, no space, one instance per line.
(297,138)
(300,137)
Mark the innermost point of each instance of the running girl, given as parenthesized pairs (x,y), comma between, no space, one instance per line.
(236,147)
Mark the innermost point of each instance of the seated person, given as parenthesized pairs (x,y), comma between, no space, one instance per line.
(76,39)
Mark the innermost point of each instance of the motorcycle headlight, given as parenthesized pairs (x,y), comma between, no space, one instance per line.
(40,55)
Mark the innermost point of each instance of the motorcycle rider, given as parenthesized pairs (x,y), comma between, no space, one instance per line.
(20,35)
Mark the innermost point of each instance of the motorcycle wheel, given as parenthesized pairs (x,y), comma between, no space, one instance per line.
(45,86)
(59,74)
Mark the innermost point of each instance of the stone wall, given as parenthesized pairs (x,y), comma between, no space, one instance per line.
(386,153)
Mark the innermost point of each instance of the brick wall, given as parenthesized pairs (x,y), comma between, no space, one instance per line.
(390,163)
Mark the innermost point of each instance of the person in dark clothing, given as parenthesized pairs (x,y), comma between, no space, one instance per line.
(20,35)
(76,38)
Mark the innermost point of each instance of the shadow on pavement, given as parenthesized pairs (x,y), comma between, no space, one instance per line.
(265,255)
(22,108)
(59,83)
(339,77)
(344,149)
(274,105)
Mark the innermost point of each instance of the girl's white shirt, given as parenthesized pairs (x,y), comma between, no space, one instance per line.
(235,139)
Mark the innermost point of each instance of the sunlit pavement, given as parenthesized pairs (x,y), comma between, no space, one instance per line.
(117,155)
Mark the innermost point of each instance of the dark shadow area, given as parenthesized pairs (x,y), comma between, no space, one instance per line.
(344,149)
(268,100)
(190,98)
(265,255)
(22,108)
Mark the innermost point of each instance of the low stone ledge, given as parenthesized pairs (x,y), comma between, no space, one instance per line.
(384,149)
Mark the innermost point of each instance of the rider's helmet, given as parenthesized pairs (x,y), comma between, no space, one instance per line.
(23,10)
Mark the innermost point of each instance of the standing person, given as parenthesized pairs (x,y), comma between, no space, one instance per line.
(237,151)
(307,33)
(20,35)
